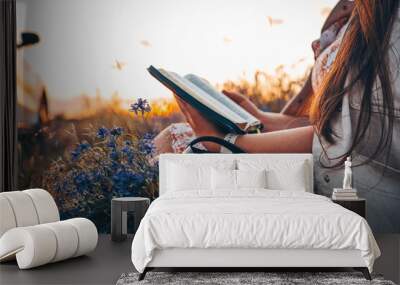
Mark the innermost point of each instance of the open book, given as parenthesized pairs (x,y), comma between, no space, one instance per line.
(214,105)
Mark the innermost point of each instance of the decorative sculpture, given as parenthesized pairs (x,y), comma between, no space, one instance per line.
(347,181)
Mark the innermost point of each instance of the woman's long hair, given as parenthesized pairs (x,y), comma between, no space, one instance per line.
(362,59)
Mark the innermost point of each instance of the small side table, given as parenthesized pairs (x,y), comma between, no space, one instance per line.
(358,206)
(119,209)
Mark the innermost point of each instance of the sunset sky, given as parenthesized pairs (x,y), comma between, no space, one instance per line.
(217,39)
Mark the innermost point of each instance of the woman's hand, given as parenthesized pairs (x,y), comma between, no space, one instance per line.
(245,103)
(200,125)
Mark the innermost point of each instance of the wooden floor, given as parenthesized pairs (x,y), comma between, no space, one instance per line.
(111,259)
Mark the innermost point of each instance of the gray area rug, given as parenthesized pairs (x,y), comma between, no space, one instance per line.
(269,278)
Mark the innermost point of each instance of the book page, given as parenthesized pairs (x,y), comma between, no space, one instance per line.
(203,97)
(225,100)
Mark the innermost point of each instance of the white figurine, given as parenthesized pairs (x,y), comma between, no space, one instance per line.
(347,174)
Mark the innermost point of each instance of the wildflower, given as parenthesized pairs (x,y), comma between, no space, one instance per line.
(114,155)
(82,181)
(111,143)
(151,172)
(82,147)
(141,105)
(148,136)
(114,166)
(146,144)
(75,154)
(102,133)
(128,152)
(85,189)
(97,175)
(116,131)
(124,179)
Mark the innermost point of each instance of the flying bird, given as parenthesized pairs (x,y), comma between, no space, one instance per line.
(145,43)
(274,21)
(119,65)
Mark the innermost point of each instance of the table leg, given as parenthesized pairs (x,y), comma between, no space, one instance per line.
(124,222)
(116,222)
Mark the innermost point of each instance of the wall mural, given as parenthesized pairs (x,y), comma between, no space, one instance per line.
(92,121)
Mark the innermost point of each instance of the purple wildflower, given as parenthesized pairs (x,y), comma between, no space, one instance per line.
(75,154)
(141,105)
(82,147)
(111,143)
(82,181)
(146,144)
(102,133)
(116,131)
(114,155)
(128,152)
(97,175)
(126,180)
